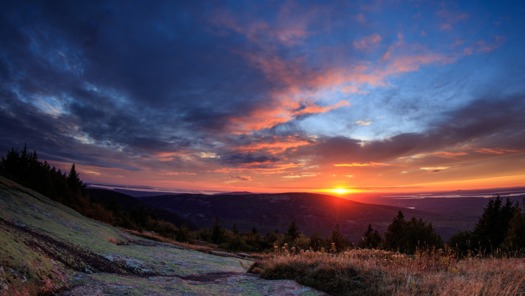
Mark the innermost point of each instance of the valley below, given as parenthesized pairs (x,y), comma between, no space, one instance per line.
(320,213)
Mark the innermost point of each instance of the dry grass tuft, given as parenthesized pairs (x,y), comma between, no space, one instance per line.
(376,272)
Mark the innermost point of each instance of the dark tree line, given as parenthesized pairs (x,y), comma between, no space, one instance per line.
(500,229)
(405,236)
(408,236)
(25,168)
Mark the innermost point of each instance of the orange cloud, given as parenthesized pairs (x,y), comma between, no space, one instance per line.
(275,147)
(280,112)
(259,119)
(278,168)
(169,173)
(435,169)
(359,74)
(300,176)
(363,164)
(284,105)
(297,84)
(316,109)
(448,154)
(495,151)
(228,170)
(414,62)
(171,155)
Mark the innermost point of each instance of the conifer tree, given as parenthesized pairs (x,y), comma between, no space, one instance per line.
(371,238)
(515,238)
(492,226)
(218,234)
(74,181)
(393,239)
(183,233)
(293,232)
(337,239)
(461,243)
(409,236)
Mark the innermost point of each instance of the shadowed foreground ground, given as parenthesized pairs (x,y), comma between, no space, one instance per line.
(46,247)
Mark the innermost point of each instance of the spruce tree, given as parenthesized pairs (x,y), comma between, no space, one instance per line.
(293,232)
(461,243)
(337,239)
(371,239)
(409,236)
(489,233)
(394,235)
(218,234)
(515,238)
(74,181)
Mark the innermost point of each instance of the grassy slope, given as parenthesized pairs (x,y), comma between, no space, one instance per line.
(45,246)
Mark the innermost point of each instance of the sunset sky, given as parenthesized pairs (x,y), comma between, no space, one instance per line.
(269,96)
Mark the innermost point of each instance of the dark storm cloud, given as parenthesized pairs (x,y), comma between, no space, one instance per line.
(493,122)
(248,159)
(50,136)
(140,76)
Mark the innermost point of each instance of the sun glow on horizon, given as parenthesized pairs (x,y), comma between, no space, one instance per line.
(340,191)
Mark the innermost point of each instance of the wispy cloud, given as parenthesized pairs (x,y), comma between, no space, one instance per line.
(496,151)
(300,176)
(274,145)
(362,164)
(364,122)
(435,169)
(243,178)
(485,46)
(450,18)
(449,154)
(367,41)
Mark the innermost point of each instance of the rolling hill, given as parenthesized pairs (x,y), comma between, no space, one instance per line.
(129,204)
(313,213)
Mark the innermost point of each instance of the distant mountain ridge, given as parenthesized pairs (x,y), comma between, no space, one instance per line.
(128,204)
(313,213)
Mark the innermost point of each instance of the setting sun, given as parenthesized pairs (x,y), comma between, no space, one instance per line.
(340,191)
